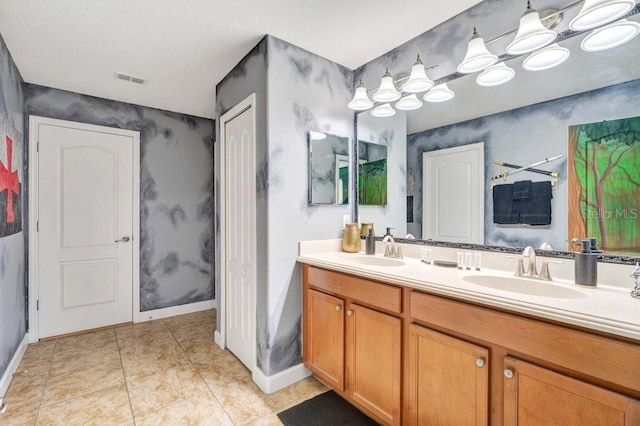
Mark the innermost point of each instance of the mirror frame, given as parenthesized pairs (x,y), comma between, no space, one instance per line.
(347,147)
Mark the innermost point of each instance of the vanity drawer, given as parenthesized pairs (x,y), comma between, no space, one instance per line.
(372,293)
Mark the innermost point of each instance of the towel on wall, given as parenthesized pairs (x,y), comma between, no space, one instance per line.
(523,202)
(504,209)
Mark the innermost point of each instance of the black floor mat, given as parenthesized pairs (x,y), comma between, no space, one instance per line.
(327,409)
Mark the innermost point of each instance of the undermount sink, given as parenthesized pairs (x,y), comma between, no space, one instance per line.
(525,286)
(376,261)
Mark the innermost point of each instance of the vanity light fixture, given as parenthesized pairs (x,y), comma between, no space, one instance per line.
(495,75)
(595,13)
(317,136)
(532,34)
(409,102)
(384,110)
(360,101)
(610,36)
(387,91)
(478,56)
(546,58)
(439,93)
(418,81)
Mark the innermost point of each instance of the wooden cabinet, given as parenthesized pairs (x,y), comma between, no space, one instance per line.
(540,373)
(448,380)
(325,336)
(373,361)
(351,343)
(404,356)
(538,396)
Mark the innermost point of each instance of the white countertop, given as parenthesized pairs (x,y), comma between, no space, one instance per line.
(605,308)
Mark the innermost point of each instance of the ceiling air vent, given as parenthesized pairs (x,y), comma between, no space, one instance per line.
(129,78)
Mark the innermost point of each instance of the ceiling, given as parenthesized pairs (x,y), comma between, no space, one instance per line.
(183,48)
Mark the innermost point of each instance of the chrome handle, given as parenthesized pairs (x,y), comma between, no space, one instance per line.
(508,374)
(338,307)
(349,312)
(123,240)
(480,362)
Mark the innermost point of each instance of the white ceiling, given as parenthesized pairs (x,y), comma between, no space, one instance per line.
(185,47)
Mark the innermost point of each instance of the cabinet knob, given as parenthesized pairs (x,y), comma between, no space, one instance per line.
(338,307)
(508,374)
(349,312)
(480,362)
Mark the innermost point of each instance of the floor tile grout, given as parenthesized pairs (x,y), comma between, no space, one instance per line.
(188,360)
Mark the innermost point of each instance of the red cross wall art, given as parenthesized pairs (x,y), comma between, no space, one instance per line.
(10,194)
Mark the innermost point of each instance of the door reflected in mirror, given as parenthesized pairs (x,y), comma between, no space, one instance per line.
(372,174)
(328,169)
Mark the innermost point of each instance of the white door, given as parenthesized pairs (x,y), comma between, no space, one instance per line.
(85,212)
(453,196)
(239,237)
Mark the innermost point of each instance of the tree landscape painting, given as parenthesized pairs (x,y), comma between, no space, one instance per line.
(604,184)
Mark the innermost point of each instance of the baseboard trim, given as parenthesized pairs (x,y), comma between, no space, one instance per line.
(174,310)
(271,384)
(219,339)
(5,381)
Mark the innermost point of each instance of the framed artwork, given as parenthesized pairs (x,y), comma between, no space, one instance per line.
(604,184)
(10,181)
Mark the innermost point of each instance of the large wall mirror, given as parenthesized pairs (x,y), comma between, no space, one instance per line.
(328,169)
(521,122)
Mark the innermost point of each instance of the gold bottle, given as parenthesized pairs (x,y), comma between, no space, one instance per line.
(351,238)
(364,229)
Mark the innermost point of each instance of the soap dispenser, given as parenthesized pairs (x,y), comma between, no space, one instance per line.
(371,242)
(586,263)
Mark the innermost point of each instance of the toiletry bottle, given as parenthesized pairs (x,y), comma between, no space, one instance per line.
(586,265)
(371,242)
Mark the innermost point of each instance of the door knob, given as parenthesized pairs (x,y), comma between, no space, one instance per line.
(123,240)
(480,362)
(508,374)
(349,312)
(338,307)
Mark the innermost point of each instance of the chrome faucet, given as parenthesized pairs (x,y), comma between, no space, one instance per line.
(532,267)
(390,249)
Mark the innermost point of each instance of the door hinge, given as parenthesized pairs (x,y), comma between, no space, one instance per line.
(37,226)
(38,146)
(37,305)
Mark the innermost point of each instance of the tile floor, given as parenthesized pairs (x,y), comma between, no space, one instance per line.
(167,371)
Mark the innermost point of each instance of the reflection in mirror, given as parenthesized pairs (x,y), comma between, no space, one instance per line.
(604,175)
(328,169)
(522,121)
(372,174)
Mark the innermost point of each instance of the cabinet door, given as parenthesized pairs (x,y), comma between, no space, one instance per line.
(374,362)
(537,396)
(448,380)
(325,338)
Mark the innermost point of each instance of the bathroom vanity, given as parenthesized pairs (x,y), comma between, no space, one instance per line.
(415,344)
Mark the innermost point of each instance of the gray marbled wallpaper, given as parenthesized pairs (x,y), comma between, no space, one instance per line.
(249,76)
(305,92)
(296,91)
(543,126)
(176,190)
(12,247)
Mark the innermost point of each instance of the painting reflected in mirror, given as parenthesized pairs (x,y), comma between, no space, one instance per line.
(328,169)
(604,183)
(372,174)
